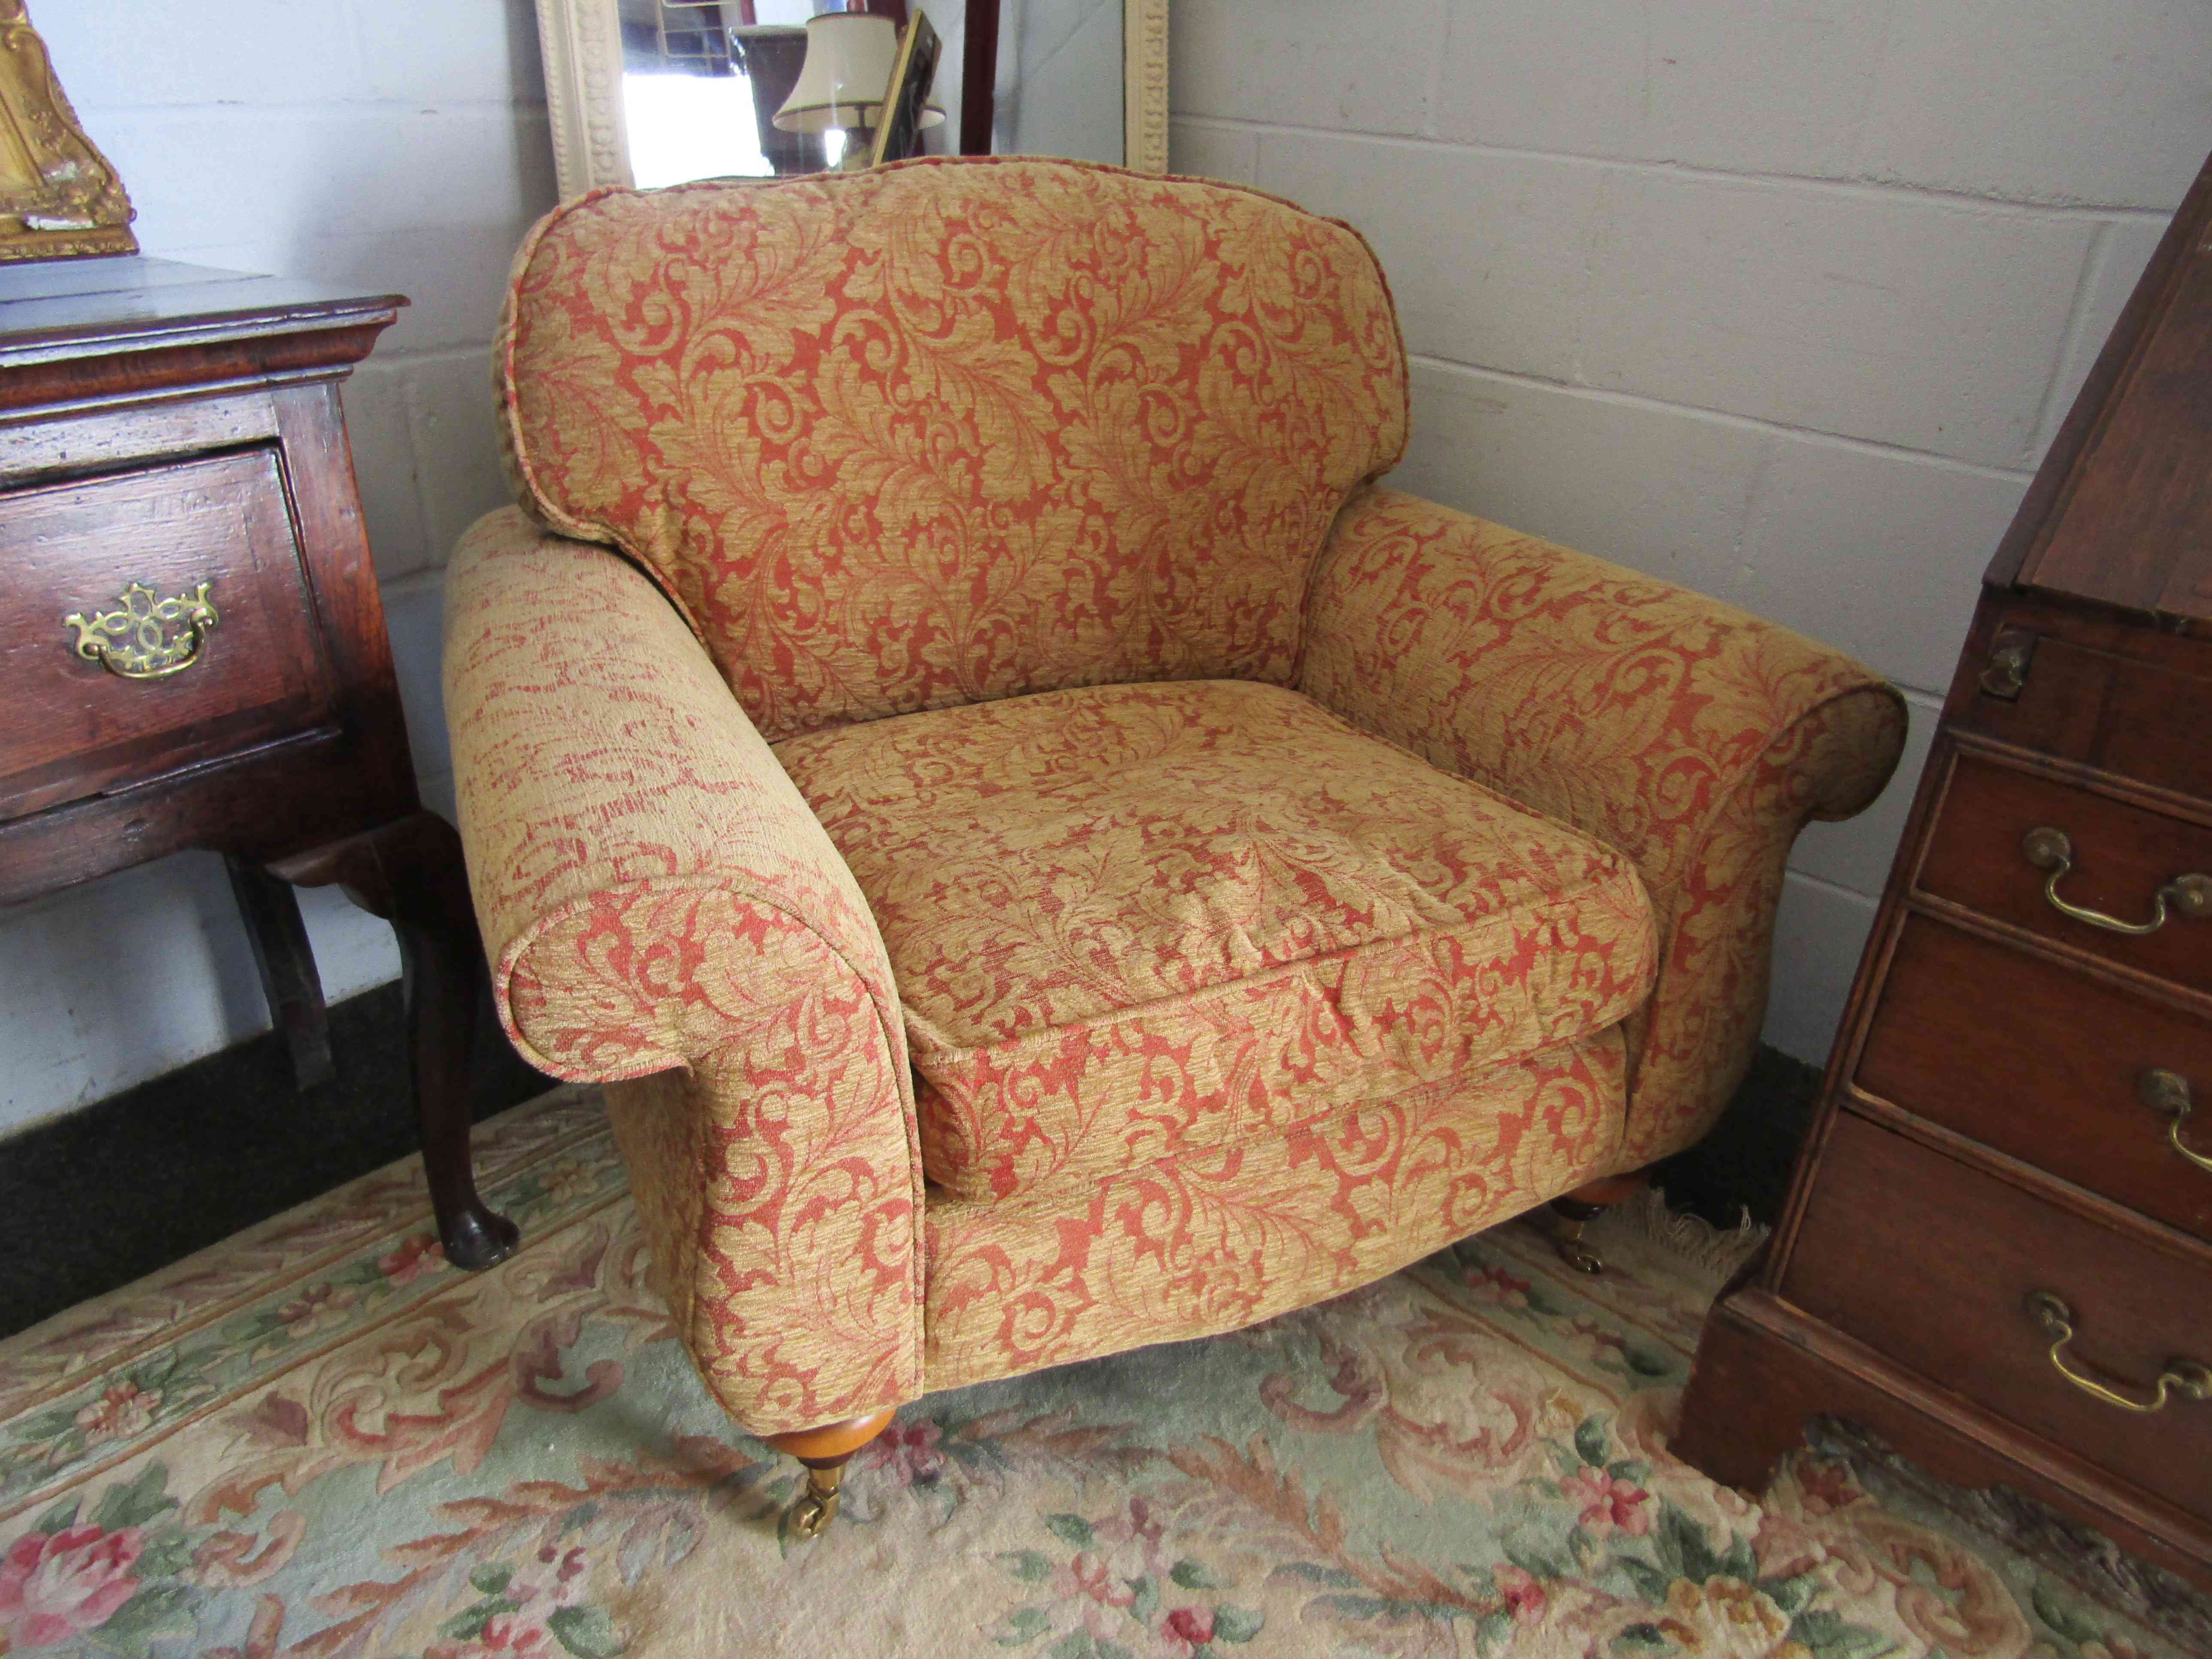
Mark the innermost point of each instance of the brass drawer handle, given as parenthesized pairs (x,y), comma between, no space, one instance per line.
(2168,1094)
(2183,1376)
(2189,896)
(146,637)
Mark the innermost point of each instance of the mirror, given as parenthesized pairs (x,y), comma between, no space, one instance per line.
(1055,66)
(655,91)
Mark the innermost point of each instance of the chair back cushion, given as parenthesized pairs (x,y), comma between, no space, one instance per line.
(957,428)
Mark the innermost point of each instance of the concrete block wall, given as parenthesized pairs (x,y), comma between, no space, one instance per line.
(1781,301)
(389,145)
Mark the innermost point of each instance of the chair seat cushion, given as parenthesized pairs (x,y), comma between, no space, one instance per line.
(1139,923)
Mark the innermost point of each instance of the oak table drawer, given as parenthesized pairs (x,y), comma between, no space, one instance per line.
(192,651)
(69,726)
(1933,1264)
(2122,858)
(2048,1072)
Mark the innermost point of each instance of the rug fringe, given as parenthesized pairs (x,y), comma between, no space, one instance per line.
(1715,1253)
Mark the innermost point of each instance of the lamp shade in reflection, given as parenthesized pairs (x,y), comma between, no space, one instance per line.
(848,69)
(848,64)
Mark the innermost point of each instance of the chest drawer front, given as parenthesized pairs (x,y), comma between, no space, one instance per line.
(2120,858)
(2029,1057)
(69,726)
(2095,707)
(1934,1264)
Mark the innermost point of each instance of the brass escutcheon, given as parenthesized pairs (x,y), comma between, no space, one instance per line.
(2183,1376)
(2189,896)
(2168,1094)
(2005,675)
(146,637)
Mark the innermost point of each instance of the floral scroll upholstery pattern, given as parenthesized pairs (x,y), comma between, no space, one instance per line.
(1212,1243)
(1134,925)
(656,898)
(1694,737)
(942,432)
(1284,877)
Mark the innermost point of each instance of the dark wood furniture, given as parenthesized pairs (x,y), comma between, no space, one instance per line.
(192,651)
(979,75)
(1998,1253)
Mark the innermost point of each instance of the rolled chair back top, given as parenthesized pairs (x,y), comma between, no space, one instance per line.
(954,430)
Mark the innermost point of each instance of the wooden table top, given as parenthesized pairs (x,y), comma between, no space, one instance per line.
(53,309)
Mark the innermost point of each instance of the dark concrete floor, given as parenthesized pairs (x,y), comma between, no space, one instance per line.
(1745,1163)
(94,1199)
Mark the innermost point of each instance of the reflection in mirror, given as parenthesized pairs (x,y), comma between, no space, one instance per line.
(687,90)
(656,92)
(1061,80)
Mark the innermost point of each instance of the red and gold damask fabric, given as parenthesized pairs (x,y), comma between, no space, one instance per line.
(1694,737)
(954,430)
(1138,924)
(657,898)
(1220,1005)
(1197,1245)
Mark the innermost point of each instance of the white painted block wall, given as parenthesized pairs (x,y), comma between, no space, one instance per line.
(1784,301)
(389,145)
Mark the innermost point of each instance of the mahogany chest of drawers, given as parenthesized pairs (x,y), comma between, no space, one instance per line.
(192,651)
(1997,1251)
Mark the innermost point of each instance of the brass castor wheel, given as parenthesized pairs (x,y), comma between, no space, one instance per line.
(823,1452)
(817,1505)
(1569,1216)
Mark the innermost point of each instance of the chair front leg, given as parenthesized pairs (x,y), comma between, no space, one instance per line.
(824,1451)
(1574,1211)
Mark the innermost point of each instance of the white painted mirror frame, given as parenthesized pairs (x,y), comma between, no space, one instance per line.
(581,44)
(1145,85)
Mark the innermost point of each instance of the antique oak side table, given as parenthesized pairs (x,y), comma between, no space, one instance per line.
(192,651)
(1997,1254)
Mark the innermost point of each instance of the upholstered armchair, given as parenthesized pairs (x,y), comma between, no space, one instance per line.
(1045,855)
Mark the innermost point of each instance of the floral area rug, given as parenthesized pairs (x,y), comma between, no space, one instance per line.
(318,1439)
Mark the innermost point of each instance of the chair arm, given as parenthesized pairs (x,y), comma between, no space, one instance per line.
(1693,737)
(654,894)
(614,798)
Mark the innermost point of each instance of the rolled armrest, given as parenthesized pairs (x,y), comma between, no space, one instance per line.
(1693,737)
(615,802)
(659,903)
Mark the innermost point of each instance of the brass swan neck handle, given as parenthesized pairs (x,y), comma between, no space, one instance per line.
(2168,1094)
(2189,896)
(2184,1378)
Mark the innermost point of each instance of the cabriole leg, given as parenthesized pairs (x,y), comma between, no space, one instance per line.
(286,962)
(410,872)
